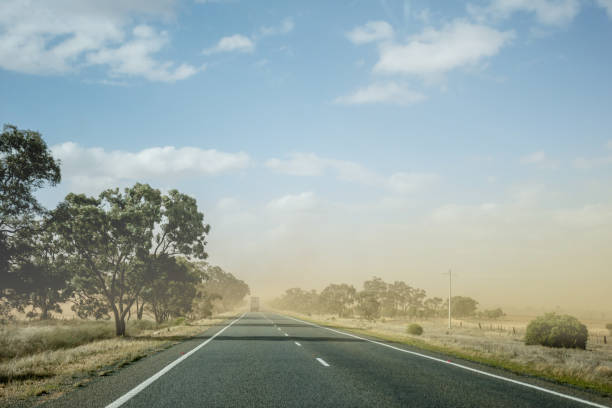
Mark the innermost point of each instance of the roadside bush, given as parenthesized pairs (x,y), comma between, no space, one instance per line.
(415,329)
(553,330)
(609,327)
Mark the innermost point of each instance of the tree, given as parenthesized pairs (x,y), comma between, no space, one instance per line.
(434,307)
(492,313)
(338,298)
(368,305)
(172,292)
(230,291)
(26,164)
(42,272)
(463,306)
(115,240)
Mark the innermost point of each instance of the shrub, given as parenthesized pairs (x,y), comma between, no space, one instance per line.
(609,327)
(415,329)
(553,330)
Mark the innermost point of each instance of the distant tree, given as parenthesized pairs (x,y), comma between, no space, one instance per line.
(492,313)
(462,306)
(368,305)
(338,299)
(434,307)
(26,165)
(230,291)
(299,300)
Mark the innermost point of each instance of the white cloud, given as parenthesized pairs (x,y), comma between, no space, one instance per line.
(405,183)
(606,4)
(133,58)
(294,202)
(233,43)
(435,52)
(58,37)
(309,164)
(95,167)
(539,159)
(285,27)
(550,12)
(390,92)
(370,32)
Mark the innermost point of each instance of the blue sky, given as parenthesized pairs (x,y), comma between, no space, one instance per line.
(333,141)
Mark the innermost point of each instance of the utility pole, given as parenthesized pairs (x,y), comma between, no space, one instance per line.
(450,295)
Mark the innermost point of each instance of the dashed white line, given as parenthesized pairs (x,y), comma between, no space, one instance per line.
(130,394)
(297,344)
(286,334)
(320,360)
(499,377)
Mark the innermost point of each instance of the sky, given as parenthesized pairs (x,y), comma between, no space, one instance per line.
(330,142)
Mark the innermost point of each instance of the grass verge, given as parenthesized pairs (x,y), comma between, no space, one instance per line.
(26,379)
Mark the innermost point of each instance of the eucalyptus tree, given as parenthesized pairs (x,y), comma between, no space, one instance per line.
(338,298)
(26,165)
(117,239)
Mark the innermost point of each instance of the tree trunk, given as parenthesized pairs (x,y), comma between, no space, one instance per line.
(139,310)
(119,323)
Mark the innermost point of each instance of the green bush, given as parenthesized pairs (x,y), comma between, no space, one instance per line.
(415,329)
(553,330)
(609,327)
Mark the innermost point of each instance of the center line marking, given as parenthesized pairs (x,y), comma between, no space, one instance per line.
(286,335)
(297,344)
(320,360)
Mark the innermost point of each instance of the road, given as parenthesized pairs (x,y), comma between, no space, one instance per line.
(269,360)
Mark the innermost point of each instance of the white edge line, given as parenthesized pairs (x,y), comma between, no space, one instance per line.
(134,391)
(499,377)
(297,344)
(320,360)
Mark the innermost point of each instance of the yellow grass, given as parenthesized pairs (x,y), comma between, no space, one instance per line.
(55,371)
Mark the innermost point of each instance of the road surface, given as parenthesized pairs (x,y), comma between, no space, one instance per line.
(265,359)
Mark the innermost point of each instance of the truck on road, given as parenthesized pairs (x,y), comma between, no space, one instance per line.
(254,304)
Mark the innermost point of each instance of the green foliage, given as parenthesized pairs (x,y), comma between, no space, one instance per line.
(415,329)
(26,164)
(121,244)
(229,291)
(609,327)
(463,306)
(553,330)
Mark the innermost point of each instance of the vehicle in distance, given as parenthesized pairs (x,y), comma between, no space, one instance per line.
(254,304)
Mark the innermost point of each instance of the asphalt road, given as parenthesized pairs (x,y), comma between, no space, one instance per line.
(270,360)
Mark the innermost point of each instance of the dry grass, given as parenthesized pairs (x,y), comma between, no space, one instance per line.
(497,344)
(46,371)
